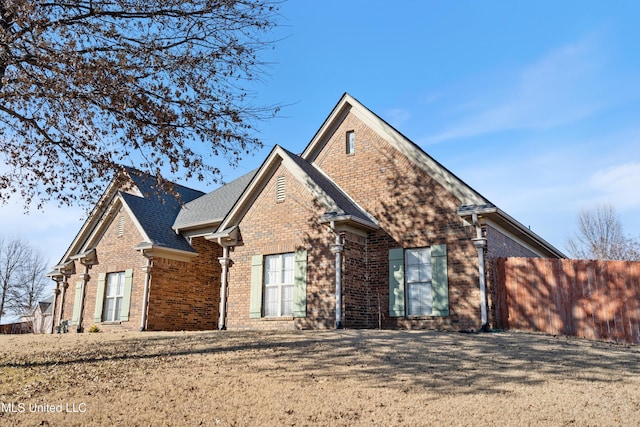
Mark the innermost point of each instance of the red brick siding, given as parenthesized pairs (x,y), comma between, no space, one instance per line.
(182,295)
(114,253)
(413,211)
(186,295)
(360,305)
(500,245)
(271,228)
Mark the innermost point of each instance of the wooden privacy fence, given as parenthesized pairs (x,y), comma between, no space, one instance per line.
(584,298)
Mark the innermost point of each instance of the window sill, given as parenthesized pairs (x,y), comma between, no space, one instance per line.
(111,323)
(271,319)
(424,317)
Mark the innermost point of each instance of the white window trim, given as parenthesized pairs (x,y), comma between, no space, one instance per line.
(426,307)
(350,144)
(119,284)
(280,284)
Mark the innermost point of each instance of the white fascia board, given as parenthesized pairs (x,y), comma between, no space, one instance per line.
(347,104)
(103,205)
(134,219)
(153,251)
(276,157)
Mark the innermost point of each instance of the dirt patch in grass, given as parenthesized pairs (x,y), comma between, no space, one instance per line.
(343,377)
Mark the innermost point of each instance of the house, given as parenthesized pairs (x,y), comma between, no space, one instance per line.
(42,316)
(363,229)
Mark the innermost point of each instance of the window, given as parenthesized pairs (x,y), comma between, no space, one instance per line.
(418,283)
(278,285)
(113,297)
(351,142)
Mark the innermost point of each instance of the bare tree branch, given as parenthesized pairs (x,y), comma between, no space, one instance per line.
(600,235)
(87,86)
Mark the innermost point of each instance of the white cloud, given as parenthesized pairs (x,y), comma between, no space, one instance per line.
(397,116)
(560,88)
(618,185)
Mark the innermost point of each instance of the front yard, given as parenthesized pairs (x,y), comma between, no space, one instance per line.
(347,377)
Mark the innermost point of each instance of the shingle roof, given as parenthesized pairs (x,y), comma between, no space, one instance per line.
(213,206)
(157,210)
(156,219)
(149,187)
(46,305)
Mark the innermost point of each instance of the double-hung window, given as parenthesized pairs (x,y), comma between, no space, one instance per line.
(418,282)
(113,297)
(278,285)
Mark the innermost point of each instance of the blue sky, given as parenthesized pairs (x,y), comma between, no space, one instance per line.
(535,104)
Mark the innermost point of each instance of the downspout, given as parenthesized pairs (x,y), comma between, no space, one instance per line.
(145,292)
(481,243)
(337,248)
(224,262)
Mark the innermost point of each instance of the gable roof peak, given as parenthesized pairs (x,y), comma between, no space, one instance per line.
(350,105)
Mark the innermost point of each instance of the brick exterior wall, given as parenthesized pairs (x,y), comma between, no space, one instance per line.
(114,253)
(413,211)
(269,228)
(500,245)
(183,295)
(186,295)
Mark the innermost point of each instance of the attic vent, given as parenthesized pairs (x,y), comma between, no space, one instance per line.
(121,226)
(280,187)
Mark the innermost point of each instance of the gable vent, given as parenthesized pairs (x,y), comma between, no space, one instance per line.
(121,226)
(280,189)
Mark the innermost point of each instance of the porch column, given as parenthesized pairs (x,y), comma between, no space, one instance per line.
(225,262)
(64,286)
(480,243)
(85,278)
(337,249)
(56,296)
(145,293)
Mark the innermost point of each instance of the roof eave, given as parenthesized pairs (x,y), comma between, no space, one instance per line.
(150,250)
(514,226)
(342,218)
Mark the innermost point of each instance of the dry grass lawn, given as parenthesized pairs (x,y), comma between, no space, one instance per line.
(332,378)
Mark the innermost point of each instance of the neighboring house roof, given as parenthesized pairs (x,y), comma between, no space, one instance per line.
(211,208)
(46,305)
